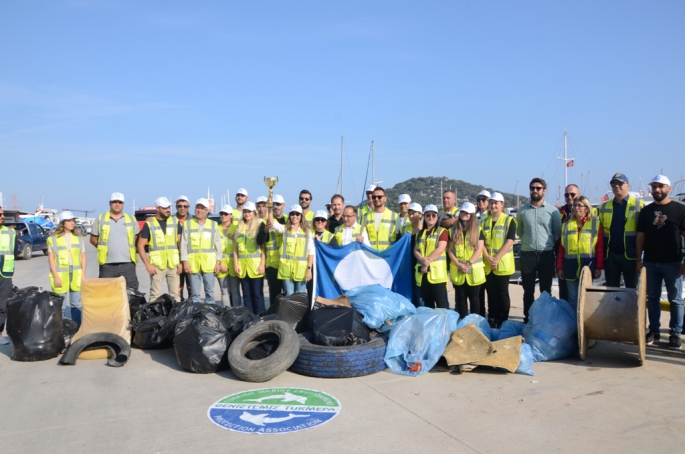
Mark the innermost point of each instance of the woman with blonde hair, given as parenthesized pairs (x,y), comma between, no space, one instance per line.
(249,258)
(67,259)
(296,251)
(582,244)
(467,272)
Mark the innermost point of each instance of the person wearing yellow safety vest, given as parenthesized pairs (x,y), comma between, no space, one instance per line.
(183,216)
(448,214)
(67,260)
(367,208)
(499,230)
(201,252)
(271,240)
(305,203)
(9,249)
(337,206)
(431,269)
(380,224)
(162,234)
(249,259)
(482,208)
(115,234)
(465,251)
(296,252)
(228,279)
(402,223)
(582,244)
(262,210)
(349,231)
(240,200)
(619,221)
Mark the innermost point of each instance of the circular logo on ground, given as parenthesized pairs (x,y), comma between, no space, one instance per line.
(274,410)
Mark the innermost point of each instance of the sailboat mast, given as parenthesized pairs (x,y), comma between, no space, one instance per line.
(342,144)
(373,174)
(565,160)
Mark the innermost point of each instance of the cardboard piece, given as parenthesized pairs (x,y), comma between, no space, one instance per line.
(341,300)
(467,345)
(506,355)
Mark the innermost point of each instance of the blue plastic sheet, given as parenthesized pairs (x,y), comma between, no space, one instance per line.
(480,322)
(418,341)
(551,330)
(526,361)
(378,304)
(509,329)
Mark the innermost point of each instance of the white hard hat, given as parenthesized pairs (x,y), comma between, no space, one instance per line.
(228,209)
(468,207)
(497,197)
(66,216)
(182,197)
(416,207)
(371,188)
(202,201)
(484,193)
(404,198)
(661,179)
(321,214)
(242,191)
(262,199)
(249,206)
(162,202)
(295,209)
(278,199)
(430,207)
(117,196)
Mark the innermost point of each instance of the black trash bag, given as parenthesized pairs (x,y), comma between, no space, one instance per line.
(338,326)
(135,300)
(34,325)
(23,293)
(201,342)
(235,319)
(178,311)
(293,310)
(69,328)
(257,320)
(149,320)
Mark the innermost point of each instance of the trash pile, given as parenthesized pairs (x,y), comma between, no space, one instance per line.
(364,331)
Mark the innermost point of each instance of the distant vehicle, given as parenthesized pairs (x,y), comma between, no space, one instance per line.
(144,214)
(33,237)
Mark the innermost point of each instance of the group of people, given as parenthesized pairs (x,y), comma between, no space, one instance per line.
(471,246)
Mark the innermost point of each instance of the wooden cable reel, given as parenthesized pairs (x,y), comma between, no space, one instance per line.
(611,313)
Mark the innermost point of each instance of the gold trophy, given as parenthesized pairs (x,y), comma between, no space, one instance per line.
(270,183)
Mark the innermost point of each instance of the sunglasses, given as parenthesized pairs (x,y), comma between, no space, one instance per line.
(377,197)
(225,214)
(431,215)
(306,199)
(2,215)
(182,206)
(536,188)
(617,185)
(295,213)
(319,220)
(483,199)
(570,194)
(278,204)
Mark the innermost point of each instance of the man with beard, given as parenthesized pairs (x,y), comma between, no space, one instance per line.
(660,232)
(566,211)
(538,227)
(182,215)
(272,240)
(240,199)
(380,223)
(449,213)
(619,219)
(336,219)
(305,202)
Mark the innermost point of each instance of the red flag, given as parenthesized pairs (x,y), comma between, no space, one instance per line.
(604,198)
(570,163)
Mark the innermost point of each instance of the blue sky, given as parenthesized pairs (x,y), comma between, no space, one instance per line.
(162,98)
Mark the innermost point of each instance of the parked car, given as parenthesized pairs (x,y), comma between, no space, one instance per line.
(33,238)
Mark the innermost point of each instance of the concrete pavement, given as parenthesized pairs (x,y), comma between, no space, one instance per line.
(605,404)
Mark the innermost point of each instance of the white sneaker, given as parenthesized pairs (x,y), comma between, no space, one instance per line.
(4,340)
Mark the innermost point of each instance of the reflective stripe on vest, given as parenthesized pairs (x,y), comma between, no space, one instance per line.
(293,255)
(249,255)
(495,237)
(438,267)
(103,237)
(162,245)
(227,249)
(8,237)
(201,246)
(385,237)
(339,233)
(579,246)
(60,251)
(606,212)
(326,236)
(463,252)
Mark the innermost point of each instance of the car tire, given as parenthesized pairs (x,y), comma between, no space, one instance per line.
(261,370)
(28,252)
(340,362)
(120,349)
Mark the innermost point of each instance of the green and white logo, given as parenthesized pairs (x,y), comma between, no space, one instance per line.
(274,410)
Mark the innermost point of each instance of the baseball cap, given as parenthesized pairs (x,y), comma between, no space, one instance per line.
(162,202)
(497,197)
(484,193)
(660,179)
(416,207)
(182,197)
(203,202)
(468,207)
(323,214)
(242,191)
(278,199)
(228,209)
(262,199)
(620,177)
(249,206)
(430,207)
(404,198)
(117,196)
(295,209)
(66,215)
(371,188)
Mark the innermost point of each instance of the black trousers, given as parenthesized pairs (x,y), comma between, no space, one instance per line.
(434,294)
(534,265)
(617,264)
(127,270)
(481,298)
(5,292)
(275,285)
(465,294)
(498,297)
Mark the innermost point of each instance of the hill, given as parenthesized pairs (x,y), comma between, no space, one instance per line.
(425,190)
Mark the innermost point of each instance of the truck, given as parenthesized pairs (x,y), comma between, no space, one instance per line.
(32,237)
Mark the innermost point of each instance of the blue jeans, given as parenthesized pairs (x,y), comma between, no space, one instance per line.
(572,290)
(291,287)
(73,309)
(253,293)
(669,274)
(208,280)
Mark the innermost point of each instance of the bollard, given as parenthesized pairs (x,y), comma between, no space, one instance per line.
(611,313)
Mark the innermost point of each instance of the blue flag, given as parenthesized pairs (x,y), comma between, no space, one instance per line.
(341,268)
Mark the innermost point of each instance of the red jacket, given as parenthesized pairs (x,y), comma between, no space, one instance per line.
(599,248)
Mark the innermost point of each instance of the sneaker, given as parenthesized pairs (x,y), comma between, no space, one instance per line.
(674,342)
(4,340)
(652,336)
